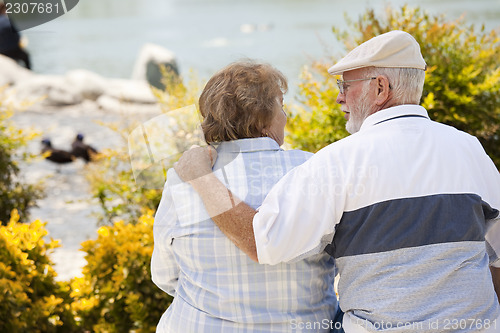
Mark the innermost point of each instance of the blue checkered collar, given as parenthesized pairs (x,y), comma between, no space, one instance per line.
(247,145)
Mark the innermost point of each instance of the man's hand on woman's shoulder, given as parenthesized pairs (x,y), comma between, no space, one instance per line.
(195,163)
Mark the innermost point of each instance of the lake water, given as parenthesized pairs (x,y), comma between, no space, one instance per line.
(106,36)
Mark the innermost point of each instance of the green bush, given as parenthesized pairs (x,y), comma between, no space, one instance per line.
(116,293)
(30,299)
(14,193)
(462,80)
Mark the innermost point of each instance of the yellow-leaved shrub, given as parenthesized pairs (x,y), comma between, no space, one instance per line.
(15,192)
(31,300)
(116,293)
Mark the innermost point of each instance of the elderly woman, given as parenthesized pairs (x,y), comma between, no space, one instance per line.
(217,288)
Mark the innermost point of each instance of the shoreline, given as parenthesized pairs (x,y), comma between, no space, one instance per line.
(68,206)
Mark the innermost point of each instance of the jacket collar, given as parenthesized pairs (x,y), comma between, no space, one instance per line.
(247,145)
(400,111)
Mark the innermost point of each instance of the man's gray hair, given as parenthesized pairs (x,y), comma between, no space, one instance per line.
(407,84)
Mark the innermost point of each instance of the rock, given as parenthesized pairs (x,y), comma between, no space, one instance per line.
(51,90)
(86,84)
(148,64)
(11,72)
(111,104)
(131,91)
(79,85)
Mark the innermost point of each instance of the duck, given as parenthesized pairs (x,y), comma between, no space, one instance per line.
(82,150)
(58,156)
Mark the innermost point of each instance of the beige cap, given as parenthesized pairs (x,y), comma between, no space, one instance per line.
(392,49)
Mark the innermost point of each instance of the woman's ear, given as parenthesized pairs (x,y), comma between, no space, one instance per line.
(383,90)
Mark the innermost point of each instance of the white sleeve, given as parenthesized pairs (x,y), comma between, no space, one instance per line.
(298,217)
(164,267)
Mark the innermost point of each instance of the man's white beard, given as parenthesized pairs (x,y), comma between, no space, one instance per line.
(359,112)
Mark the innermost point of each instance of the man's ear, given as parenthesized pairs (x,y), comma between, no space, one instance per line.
(383,90)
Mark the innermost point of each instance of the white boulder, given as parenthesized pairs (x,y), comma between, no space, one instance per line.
(148,64)
(51,90)
(86,84)
(11,72)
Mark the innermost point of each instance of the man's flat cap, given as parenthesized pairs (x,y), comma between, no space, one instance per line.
(393,49)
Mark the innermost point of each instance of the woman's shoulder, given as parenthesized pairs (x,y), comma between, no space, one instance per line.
(173,178)
(297,154)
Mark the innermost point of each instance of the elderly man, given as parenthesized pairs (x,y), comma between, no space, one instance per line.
(406,206)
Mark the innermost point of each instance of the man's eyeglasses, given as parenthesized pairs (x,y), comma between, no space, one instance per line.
(343,86)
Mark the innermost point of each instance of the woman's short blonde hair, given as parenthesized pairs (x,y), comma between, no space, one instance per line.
(239,101)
